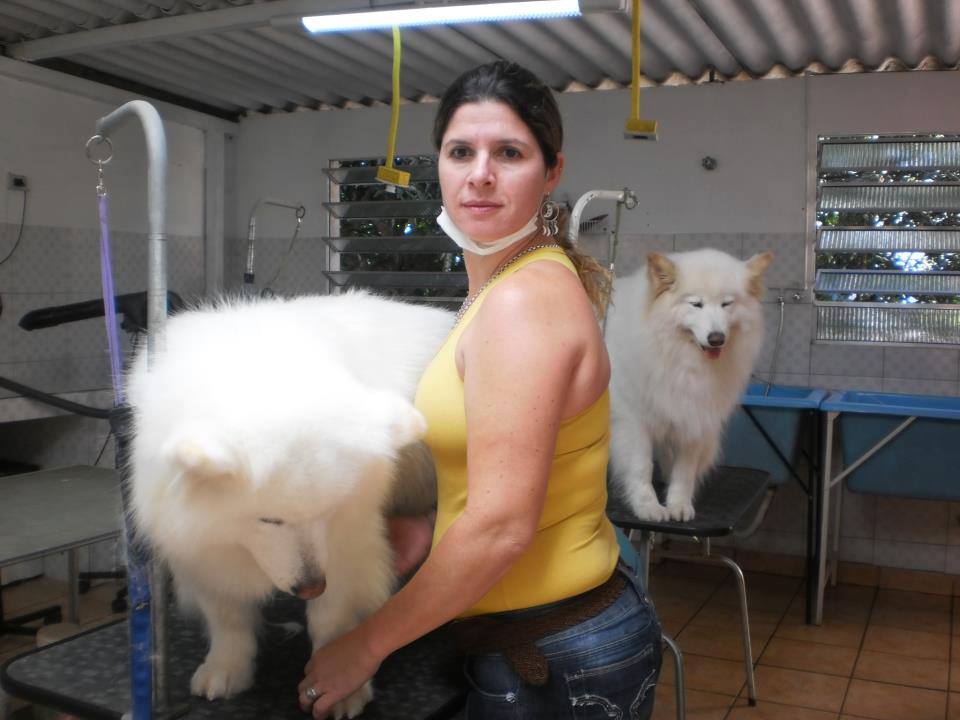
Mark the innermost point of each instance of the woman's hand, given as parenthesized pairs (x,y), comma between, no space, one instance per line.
(335,671)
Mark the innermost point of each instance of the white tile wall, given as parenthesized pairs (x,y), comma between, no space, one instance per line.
(922,363)
(787,512)
(57,266)
(953,525)
(915,556)
(857,550)
(632,251)
(921,387)
(781,543)
(302,272)
(845,382)
(793,350)
(859,516)
(914,521)
(858,360)
(728,242)
(787,269)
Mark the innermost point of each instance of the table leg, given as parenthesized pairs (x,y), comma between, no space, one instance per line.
(823,515)
(813,488)
(73,585)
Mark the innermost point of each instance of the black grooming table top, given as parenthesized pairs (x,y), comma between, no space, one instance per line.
(723,503)
(88,675)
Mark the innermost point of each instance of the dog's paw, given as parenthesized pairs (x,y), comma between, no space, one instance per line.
(353,704)
(652,511)
(213,680)
(682,512)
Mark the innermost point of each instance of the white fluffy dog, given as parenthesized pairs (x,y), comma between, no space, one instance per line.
(683,335)
(267,436)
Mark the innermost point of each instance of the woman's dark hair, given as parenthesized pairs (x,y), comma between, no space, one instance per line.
(533,102)
(512,85)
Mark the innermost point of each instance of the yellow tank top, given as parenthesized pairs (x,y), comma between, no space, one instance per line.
(574,549)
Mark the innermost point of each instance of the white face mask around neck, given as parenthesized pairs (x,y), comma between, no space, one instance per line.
(468,243)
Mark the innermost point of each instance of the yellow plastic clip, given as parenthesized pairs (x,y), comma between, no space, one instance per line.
(637,129)
(388,173)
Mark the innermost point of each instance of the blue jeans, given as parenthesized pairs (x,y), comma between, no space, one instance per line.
(604,668)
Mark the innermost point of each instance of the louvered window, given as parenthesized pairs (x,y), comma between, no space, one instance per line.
(888,239)
(387,239)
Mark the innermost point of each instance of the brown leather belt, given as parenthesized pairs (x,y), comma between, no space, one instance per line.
(515,638)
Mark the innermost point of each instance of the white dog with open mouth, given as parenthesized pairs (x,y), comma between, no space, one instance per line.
(683,333)
(267,441)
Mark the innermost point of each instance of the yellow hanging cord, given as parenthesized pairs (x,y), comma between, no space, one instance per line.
(388,173)
(637,128)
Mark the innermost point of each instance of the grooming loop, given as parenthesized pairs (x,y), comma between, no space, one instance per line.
(92,143)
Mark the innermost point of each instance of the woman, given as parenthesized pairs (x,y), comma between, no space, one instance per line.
(523,557)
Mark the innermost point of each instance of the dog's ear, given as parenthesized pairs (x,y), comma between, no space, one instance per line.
(405,423)
(201,457)
(381,422)
(756,266)
(662,272)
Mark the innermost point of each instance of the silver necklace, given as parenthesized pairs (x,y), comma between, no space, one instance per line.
(497,273)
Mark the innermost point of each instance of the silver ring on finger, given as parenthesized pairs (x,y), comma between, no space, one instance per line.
(312,694)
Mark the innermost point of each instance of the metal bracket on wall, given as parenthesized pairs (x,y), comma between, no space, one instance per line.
(792,296)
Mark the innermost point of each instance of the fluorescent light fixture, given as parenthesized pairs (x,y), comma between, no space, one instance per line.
(442,15)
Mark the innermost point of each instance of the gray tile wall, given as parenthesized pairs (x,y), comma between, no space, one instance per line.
(55,266)
(302,272)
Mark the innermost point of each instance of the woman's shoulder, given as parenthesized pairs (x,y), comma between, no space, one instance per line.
(540,293)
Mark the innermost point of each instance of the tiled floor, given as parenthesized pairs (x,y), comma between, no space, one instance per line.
(882,653)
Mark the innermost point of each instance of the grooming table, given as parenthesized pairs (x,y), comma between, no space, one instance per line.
(892,444)
(88,675)
(767,432)
(52,511)
(723,503)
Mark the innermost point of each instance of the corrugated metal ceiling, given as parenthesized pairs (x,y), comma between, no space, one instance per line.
(224,57)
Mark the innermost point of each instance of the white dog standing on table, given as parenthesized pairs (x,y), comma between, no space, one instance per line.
(683,335)
(267,438)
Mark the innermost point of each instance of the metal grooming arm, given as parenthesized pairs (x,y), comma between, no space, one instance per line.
(252,231)
(142,708)
(625,196)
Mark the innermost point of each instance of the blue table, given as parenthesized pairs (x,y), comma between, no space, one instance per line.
(892,444)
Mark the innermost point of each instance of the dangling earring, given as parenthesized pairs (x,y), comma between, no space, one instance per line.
(549,217)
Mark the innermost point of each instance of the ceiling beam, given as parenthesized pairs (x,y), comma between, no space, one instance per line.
(177,26)
(95,90)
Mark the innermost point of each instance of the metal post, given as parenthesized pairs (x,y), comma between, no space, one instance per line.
(147,587)
(73,584)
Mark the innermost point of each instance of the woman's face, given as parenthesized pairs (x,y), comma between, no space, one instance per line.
(492,172)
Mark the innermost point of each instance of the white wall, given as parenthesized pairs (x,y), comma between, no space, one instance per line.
(755,130)
(42,136)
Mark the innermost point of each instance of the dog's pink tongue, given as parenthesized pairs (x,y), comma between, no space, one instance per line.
(315,591)
(713,353)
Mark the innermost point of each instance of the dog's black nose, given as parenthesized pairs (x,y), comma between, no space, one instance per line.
(716,339)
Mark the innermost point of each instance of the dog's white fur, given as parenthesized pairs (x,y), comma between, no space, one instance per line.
(267,436)
(671,388)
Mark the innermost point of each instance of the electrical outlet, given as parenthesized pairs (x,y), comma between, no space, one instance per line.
(16,182)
